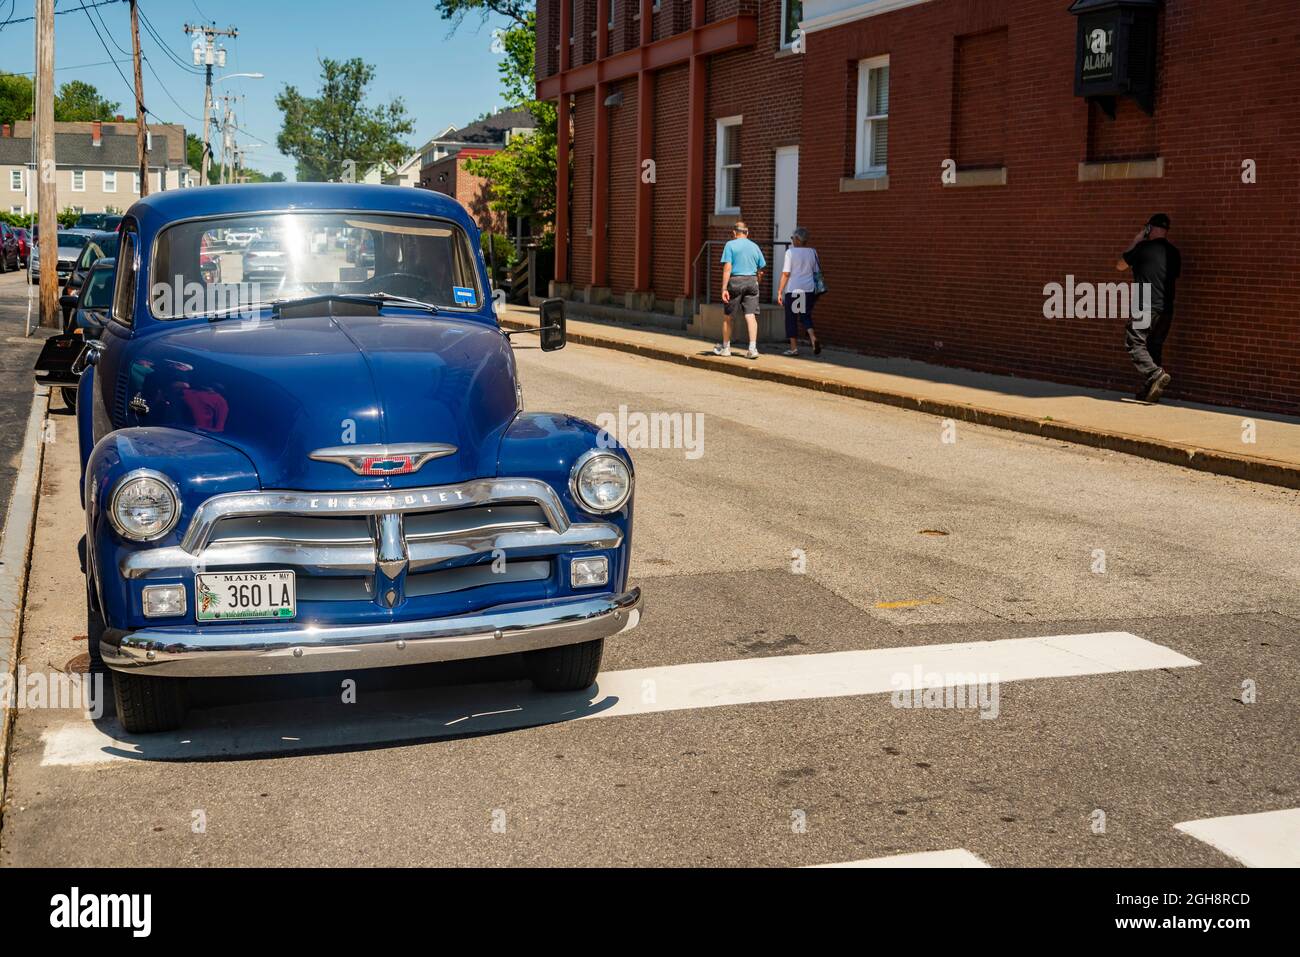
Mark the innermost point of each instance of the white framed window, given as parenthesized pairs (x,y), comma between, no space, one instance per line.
(791,14)
(16,210)
(727,166)
(110,181)
(873,117)
(77,209)
(135,183)
(16,180)
(78,180)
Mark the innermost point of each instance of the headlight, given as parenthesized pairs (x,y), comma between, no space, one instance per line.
(144,506)
(600,482)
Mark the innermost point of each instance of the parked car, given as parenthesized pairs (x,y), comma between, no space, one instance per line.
(70,244)
(24,245)
(98,245)
(9,256)
(265,260)
(84,312)
(348,482)
(98,221)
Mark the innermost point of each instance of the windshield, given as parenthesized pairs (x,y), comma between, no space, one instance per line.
(98,293)
(72,240)
(219,265)
(97,248)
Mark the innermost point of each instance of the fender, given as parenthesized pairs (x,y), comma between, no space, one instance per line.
(200,467)
(545,445)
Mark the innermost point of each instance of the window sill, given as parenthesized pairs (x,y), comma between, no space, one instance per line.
(868,184)
(784,52)
(1136,169)
(994,176)
(724,219)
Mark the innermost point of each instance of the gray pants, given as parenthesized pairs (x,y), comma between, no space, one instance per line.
(1146,347)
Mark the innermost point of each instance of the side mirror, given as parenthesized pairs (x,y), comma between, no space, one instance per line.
(554,334)
(68,302)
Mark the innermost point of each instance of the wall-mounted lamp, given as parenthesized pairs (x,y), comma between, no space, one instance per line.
(614,99)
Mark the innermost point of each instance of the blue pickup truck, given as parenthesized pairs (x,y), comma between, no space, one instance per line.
(302,463)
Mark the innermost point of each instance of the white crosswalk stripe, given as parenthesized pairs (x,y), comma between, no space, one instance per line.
(956,857)
(441,712)
(1267,839)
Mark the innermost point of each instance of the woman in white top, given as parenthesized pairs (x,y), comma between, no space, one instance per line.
(797,291)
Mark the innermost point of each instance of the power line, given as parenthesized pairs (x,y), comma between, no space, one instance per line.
(58,13)
(153,32)
(91,19)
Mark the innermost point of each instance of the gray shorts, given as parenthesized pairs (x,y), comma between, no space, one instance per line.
(744,296)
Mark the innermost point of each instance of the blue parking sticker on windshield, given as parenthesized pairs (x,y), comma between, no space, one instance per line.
(464,296)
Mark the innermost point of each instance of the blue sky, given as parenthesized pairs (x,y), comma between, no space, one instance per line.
(443,80)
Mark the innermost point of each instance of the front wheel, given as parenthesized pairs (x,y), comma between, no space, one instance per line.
(566,668)
(146,704)
(69,398)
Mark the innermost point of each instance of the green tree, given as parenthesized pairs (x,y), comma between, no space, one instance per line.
(78,100)
(328,132)
(522,174)
(15,98)
(519,11)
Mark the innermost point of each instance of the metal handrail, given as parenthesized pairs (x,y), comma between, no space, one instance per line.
(765,245)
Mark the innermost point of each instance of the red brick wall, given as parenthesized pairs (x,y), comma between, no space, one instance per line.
(624,174)
(580,202)
(668,194)
(980,99)
(956,275)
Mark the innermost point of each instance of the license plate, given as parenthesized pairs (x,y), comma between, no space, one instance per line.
(239,596)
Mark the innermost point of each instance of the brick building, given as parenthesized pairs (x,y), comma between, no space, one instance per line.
(886,98)
(442,164)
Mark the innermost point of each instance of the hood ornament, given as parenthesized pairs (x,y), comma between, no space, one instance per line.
(401,459)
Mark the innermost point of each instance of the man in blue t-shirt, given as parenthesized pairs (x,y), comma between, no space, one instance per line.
(742,271)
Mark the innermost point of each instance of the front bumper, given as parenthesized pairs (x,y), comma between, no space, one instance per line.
(233,650)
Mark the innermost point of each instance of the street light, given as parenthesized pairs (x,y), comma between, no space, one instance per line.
(251,76)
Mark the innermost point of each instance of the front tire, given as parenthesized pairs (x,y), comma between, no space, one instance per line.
(146,704)
(69,398)
(566,668)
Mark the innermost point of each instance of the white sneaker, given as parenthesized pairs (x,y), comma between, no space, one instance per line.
(751,354)
(721,350)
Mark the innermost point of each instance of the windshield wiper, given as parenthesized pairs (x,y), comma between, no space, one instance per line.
(368,298)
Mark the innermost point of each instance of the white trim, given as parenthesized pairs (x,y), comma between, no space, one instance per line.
(837,15)
(72,175)
(719,192)
(19,174)
(864,143)
(104,180)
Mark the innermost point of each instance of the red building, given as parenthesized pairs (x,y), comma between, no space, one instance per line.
(948,170)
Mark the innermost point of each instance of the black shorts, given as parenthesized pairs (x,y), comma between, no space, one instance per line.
(744,295)
(798,309)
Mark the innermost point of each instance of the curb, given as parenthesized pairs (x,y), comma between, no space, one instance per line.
(1245,467)
(15,557)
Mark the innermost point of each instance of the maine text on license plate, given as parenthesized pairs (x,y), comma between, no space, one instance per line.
(227,596)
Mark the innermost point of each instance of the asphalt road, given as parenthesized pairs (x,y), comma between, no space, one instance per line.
(17,354)
(808,525)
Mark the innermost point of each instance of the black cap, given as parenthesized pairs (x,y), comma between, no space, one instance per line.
(1159,221)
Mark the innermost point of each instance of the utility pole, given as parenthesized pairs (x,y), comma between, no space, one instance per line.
(207,53)
(141,136)
(47,212)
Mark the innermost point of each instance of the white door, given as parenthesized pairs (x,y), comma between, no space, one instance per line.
(785,216)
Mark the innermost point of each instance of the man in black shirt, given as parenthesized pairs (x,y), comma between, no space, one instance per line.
(1156,266)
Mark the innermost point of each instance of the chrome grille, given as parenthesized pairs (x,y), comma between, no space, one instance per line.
(347,546)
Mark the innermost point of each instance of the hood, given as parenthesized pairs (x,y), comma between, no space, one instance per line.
(280,389)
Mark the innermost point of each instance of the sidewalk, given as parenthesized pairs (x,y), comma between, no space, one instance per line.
(1203,437)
